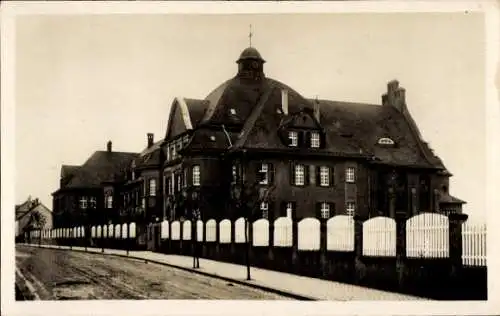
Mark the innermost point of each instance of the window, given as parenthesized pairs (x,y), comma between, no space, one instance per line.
(325,210)
(385,141)
(212,138)
(315,142)
(289,209)
(350,208)
(299,175)
(152,187)
(234,173)
(263,172)
(179,182)
(232,111)
(293,138)
(168,154)
(83,202)
(264,207)
(143,203)
(324,176)
(350,174)
(196,175)
(109,201)
(174,154)
(93,202)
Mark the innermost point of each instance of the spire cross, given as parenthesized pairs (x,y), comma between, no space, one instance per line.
(250,34)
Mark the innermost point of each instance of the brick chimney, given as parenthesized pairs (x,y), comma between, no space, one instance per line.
(395,96)
(284,101)
(109,145)
(316,110)
(150,139)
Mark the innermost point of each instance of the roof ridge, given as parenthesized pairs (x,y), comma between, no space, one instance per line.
(344,102)
(254,115)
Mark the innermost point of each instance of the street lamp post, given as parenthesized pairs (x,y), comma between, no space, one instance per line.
(196,216)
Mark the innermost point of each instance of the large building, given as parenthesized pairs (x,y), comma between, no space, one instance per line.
(30,215)
(319,158)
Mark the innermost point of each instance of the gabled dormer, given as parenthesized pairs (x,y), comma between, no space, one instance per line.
(302,130)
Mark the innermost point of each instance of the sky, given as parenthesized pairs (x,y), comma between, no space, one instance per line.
(83,80)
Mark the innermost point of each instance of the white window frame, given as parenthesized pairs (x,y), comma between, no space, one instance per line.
(350,174)
(350,208)
(264,207)
(299,177)
(109,201)
(196,175)
(92,202)
(264,168)
(315,140)
(83,202)
(324,176)
(325,210)
(293,136)
(152,187)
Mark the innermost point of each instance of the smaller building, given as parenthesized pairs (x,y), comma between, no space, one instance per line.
(31,215)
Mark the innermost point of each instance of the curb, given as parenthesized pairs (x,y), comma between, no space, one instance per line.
(208,274)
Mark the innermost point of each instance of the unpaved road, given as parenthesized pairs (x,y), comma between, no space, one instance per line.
(61,274)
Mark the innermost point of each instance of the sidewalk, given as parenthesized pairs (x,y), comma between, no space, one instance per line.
(279,282)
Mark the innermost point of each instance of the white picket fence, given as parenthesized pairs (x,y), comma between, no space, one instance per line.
(427,235)
(474,244)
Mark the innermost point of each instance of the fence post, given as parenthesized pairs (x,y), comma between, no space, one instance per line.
(295,245)
(233,237)
(455,241)
(270,252)
(250,239)
(322,247)
(401,219)
(217,239)
(359,270)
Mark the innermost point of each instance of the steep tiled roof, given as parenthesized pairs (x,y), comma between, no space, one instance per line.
(350,128)
(67,172)
(150,156)
(197,110)
(100,167)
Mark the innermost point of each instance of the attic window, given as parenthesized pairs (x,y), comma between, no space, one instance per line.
(232,111)
(385,141)
(212,138)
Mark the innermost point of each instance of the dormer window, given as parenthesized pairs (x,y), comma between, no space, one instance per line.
(232,111)
(293,138)
(212,138)
(385,141)
(315,140)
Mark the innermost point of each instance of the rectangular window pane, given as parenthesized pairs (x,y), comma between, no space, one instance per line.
(350,208)
(350,174)
(324,174)
(315,140)
(325,210)
(196,175)
(264,171)
(152,187)
(293,138)
(83,202)
(299,175)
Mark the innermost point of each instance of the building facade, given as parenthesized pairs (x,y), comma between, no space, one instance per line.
(304,157)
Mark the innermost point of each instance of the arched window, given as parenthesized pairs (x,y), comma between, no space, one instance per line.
(385,141)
